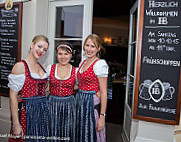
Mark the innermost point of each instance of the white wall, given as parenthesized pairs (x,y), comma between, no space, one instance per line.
(35,21)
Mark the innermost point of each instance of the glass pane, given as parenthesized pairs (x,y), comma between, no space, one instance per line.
(130,92)
(132,65)
(134,25)
(76,56)
(69,21)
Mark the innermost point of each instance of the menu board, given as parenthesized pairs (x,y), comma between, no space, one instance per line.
(157,88)
(10,42)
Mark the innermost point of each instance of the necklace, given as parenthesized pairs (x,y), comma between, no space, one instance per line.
(63,70)
(35,65)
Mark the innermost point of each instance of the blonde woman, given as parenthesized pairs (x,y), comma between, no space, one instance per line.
(92,95)
(28,78)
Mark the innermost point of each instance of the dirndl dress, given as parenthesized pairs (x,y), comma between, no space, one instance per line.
(62,107)
(33,110)
(88,106)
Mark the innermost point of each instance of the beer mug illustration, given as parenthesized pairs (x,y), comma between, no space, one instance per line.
(143,90)
(168,91)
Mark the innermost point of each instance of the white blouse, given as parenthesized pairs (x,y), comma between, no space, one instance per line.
(16,81)
(100,68)
(48,69)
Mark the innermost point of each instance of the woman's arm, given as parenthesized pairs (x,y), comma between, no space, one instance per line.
(17,130)
(76,86)
(14,112)
(103,95)
(47,87)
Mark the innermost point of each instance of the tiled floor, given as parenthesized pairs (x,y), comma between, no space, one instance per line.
(113,132)
(115,115)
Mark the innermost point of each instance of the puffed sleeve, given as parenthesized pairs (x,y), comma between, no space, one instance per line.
(101,68)
(48,69)
(16,82)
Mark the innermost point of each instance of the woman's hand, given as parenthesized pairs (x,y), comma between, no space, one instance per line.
(19,98)
(17,131)
(98,94)
(101,123)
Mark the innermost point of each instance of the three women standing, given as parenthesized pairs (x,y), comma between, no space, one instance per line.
(92,95)
(84,118)
(28,78)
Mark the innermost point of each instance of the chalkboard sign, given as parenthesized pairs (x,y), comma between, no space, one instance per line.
(157,88)
(10,46)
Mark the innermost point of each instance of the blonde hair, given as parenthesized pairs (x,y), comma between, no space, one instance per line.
(97,42)
(38,38)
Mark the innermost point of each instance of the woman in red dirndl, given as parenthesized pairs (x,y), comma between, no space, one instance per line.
(91,98)
(29,79)
(62,77)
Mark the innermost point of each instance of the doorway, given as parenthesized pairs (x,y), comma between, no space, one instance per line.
(114,31)
(69,21)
